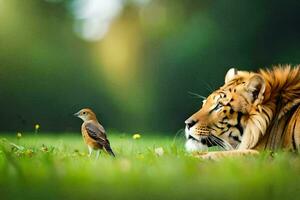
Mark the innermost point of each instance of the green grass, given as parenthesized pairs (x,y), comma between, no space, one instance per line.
(46,166)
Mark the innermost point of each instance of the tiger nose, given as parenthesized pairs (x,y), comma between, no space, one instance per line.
(190,123)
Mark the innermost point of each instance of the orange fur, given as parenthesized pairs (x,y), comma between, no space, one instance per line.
(282,99)
(259,110)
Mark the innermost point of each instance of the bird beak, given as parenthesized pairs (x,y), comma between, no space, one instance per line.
(76,114)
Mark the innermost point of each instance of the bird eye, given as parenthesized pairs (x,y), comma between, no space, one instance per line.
(84,113)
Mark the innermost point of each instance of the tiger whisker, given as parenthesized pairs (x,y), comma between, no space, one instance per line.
(210,140)
(197,95)
(179,132)
(224,144)
(216,142)
(221,144)
(208,86)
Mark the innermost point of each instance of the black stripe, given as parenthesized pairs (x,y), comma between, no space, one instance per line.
(223,132)
(236,138)
(212,128)
(265,112)
(286,125)
(217,126)
(293,137)
(206,142)
(239,126)
(213,109)
(191,137)
(221,122)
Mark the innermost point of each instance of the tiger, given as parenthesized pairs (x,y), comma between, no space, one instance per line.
(250,113)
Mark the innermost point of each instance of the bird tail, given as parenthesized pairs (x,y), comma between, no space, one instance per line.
(109,150)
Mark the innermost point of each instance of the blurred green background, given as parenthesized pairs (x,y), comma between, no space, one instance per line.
(132,61)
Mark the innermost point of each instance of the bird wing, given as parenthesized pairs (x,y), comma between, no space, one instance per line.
(97,132)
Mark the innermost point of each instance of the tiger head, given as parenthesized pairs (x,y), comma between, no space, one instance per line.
(223,116)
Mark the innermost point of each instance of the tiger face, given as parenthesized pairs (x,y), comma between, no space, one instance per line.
(223,115)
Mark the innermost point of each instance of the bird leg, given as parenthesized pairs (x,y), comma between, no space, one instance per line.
(98,153)
(90,151)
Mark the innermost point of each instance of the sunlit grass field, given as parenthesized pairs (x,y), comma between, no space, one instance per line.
(56,166)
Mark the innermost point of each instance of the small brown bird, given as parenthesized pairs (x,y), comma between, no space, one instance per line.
(93,132)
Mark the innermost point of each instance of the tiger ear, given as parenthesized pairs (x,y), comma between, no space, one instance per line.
(230,74)
(256,87)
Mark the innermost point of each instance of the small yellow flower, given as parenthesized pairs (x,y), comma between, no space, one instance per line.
(19,135)
(44,148)
(37,127)
(29,152)
(136,136)
(82,154)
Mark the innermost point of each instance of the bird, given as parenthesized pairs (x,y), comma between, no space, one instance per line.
(93,132)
